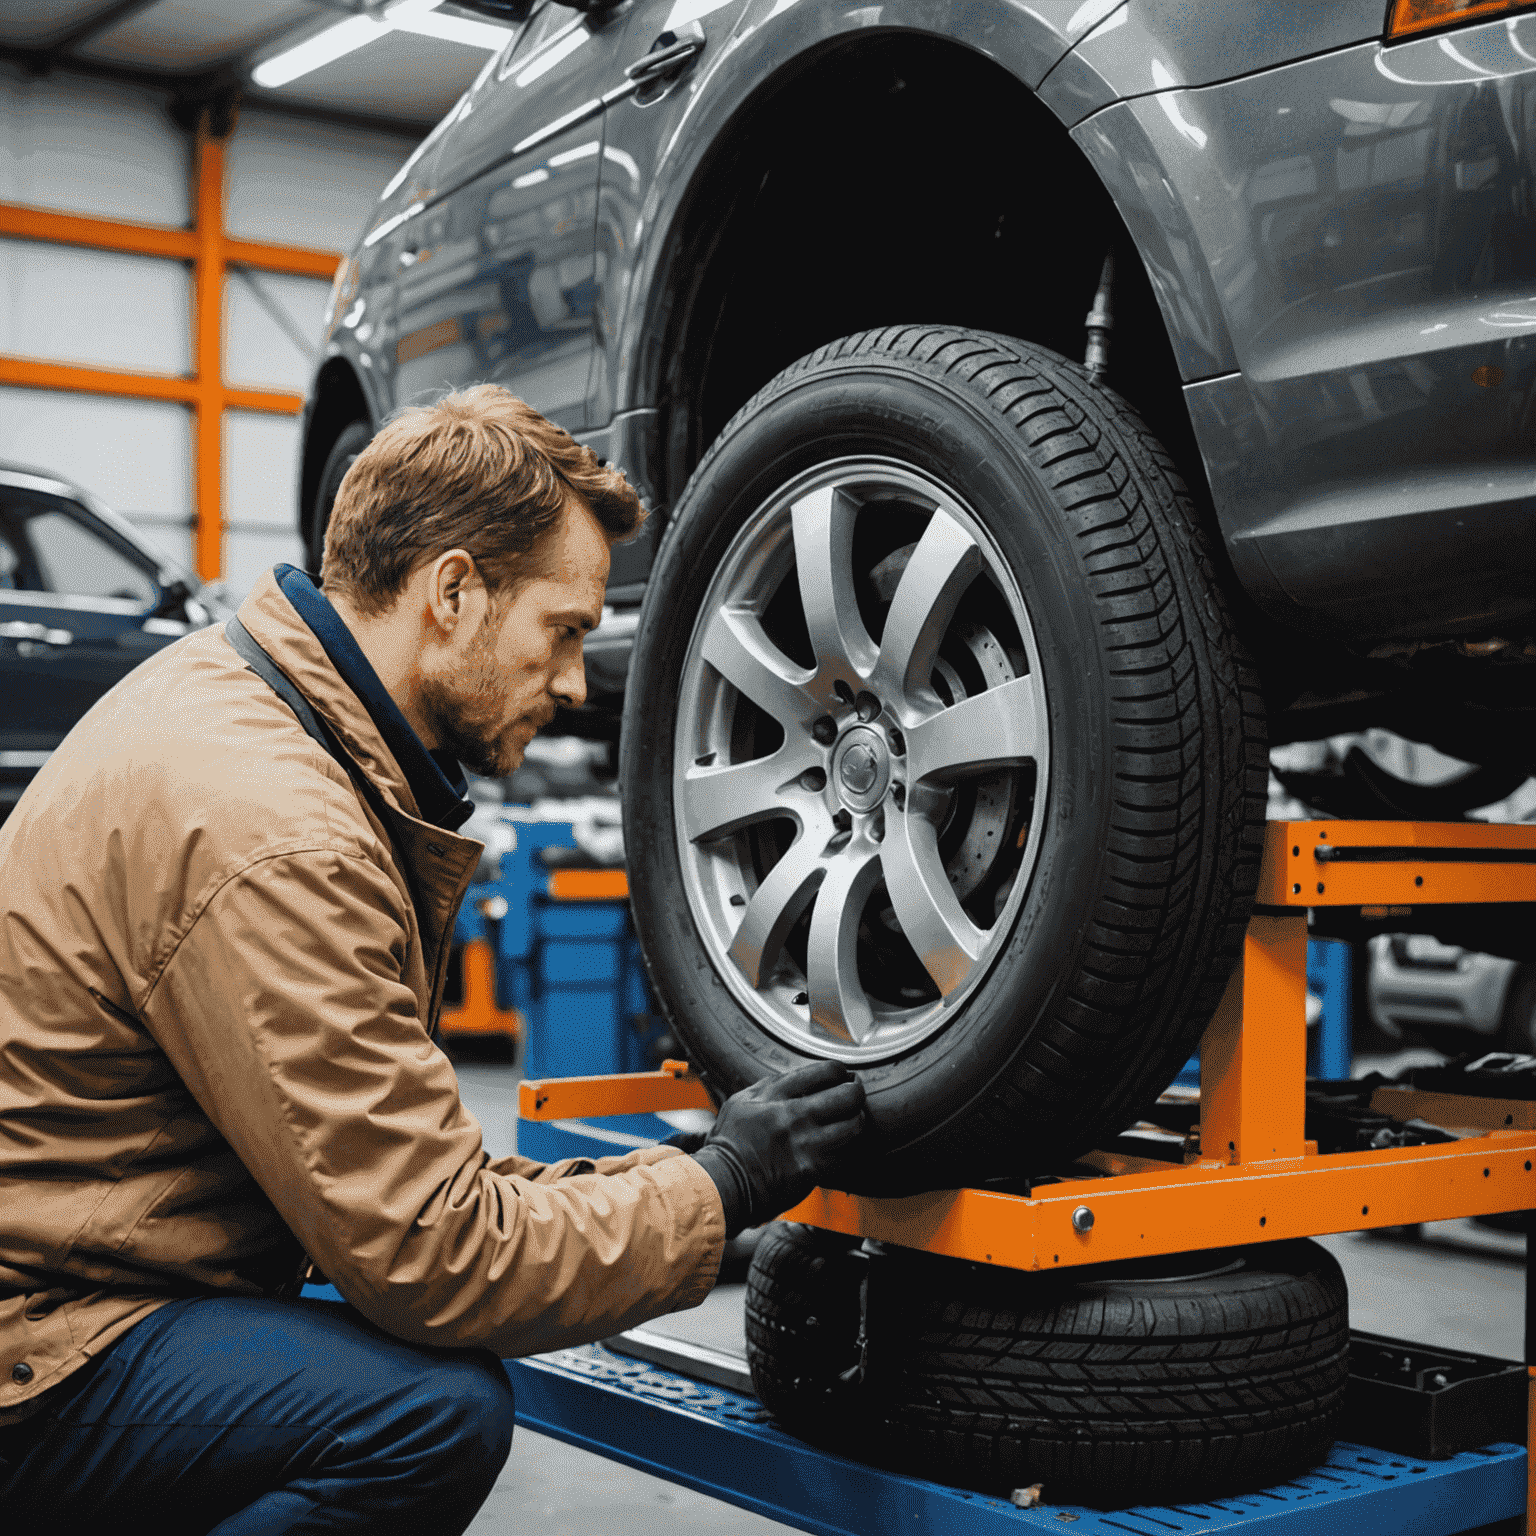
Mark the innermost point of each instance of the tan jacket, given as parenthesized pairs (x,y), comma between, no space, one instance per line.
(215,1053)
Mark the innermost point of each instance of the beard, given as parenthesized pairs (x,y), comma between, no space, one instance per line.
(468,710)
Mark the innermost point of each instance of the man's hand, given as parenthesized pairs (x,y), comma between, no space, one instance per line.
(774,1142)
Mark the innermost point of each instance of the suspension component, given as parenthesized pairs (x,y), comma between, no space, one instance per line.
(1100,322)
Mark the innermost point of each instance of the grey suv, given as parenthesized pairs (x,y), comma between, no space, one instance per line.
(1044,408)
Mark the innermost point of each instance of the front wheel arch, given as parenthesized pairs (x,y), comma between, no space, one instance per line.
(336,401)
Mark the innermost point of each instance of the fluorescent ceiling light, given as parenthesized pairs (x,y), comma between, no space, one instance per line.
(357,31)
(320,49)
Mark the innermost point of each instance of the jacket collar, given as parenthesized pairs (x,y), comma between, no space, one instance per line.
(281,631)
(436,780)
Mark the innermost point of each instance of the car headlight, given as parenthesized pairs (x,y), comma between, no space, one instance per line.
(1408,17)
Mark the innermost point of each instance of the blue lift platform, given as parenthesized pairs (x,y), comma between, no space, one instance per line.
(721,1442)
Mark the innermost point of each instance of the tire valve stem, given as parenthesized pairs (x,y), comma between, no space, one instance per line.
(1100,322)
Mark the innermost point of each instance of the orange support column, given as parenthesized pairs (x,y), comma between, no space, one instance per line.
(208,353)
(1253,1058)
(479,1014)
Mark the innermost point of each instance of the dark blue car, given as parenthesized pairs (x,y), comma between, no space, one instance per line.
(83,600)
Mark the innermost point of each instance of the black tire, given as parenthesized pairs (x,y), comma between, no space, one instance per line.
(354,437)
(1149,848)
(803,1321)
(1125,1384)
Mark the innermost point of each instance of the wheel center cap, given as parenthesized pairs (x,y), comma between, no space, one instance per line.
(861,768)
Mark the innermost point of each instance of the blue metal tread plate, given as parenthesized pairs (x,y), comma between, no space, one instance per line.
(723,1443)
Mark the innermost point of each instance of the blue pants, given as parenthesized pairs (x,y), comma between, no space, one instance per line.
(244,1417)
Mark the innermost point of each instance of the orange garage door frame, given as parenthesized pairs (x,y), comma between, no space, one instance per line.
(209,251)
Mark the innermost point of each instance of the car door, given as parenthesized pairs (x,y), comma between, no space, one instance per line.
(496,278)
(78,611)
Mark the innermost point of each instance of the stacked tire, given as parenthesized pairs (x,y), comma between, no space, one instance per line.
(1136,1383)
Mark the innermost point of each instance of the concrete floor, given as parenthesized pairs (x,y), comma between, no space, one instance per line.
(1454,1284)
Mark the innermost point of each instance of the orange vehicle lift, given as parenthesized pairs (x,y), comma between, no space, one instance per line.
(1254,1176)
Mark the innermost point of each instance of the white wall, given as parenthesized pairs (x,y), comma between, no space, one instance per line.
(97,308)
(260,468)
(293,182)
(272,329)
(136,455)
(303,183)
(85,146)
(91,146)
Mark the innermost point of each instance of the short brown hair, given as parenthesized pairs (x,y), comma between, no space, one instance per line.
(479,470)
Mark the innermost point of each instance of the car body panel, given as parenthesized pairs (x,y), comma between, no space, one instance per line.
(1368,223)
(1160,45)
(1338,234)
(496,278)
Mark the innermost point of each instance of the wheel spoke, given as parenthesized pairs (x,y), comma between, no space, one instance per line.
(945,562)
(736,647)
(823,527)
(838,1003)
(987,730)
(776,906)
(946,940)
(720,800)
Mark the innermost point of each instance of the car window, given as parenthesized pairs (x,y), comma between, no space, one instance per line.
(538,30)
(71,557)
(10,562)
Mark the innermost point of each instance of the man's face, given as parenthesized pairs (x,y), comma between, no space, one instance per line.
(498,682)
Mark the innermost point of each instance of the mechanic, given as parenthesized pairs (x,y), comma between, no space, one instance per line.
(225,909)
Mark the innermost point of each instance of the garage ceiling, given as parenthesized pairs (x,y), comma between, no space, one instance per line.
(415,59)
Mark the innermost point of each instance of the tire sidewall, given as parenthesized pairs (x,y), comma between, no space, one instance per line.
(350,442)
(908,412)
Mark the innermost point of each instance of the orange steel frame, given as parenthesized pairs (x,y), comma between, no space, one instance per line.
(1255,1177)
(210,252)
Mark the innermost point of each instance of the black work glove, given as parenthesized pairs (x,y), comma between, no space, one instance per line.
(773,1143)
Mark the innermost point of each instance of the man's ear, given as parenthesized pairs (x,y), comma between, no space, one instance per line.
(452,587)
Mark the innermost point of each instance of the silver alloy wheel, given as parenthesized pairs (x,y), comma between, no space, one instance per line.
(895,776)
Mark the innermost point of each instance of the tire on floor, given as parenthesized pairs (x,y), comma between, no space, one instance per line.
(1135,1383)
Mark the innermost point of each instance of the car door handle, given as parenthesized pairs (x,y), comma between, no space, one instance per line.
(669,53)
(40,633)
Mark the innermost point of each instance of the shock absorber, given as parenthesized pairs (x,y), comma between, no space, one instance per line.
(1100,322)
